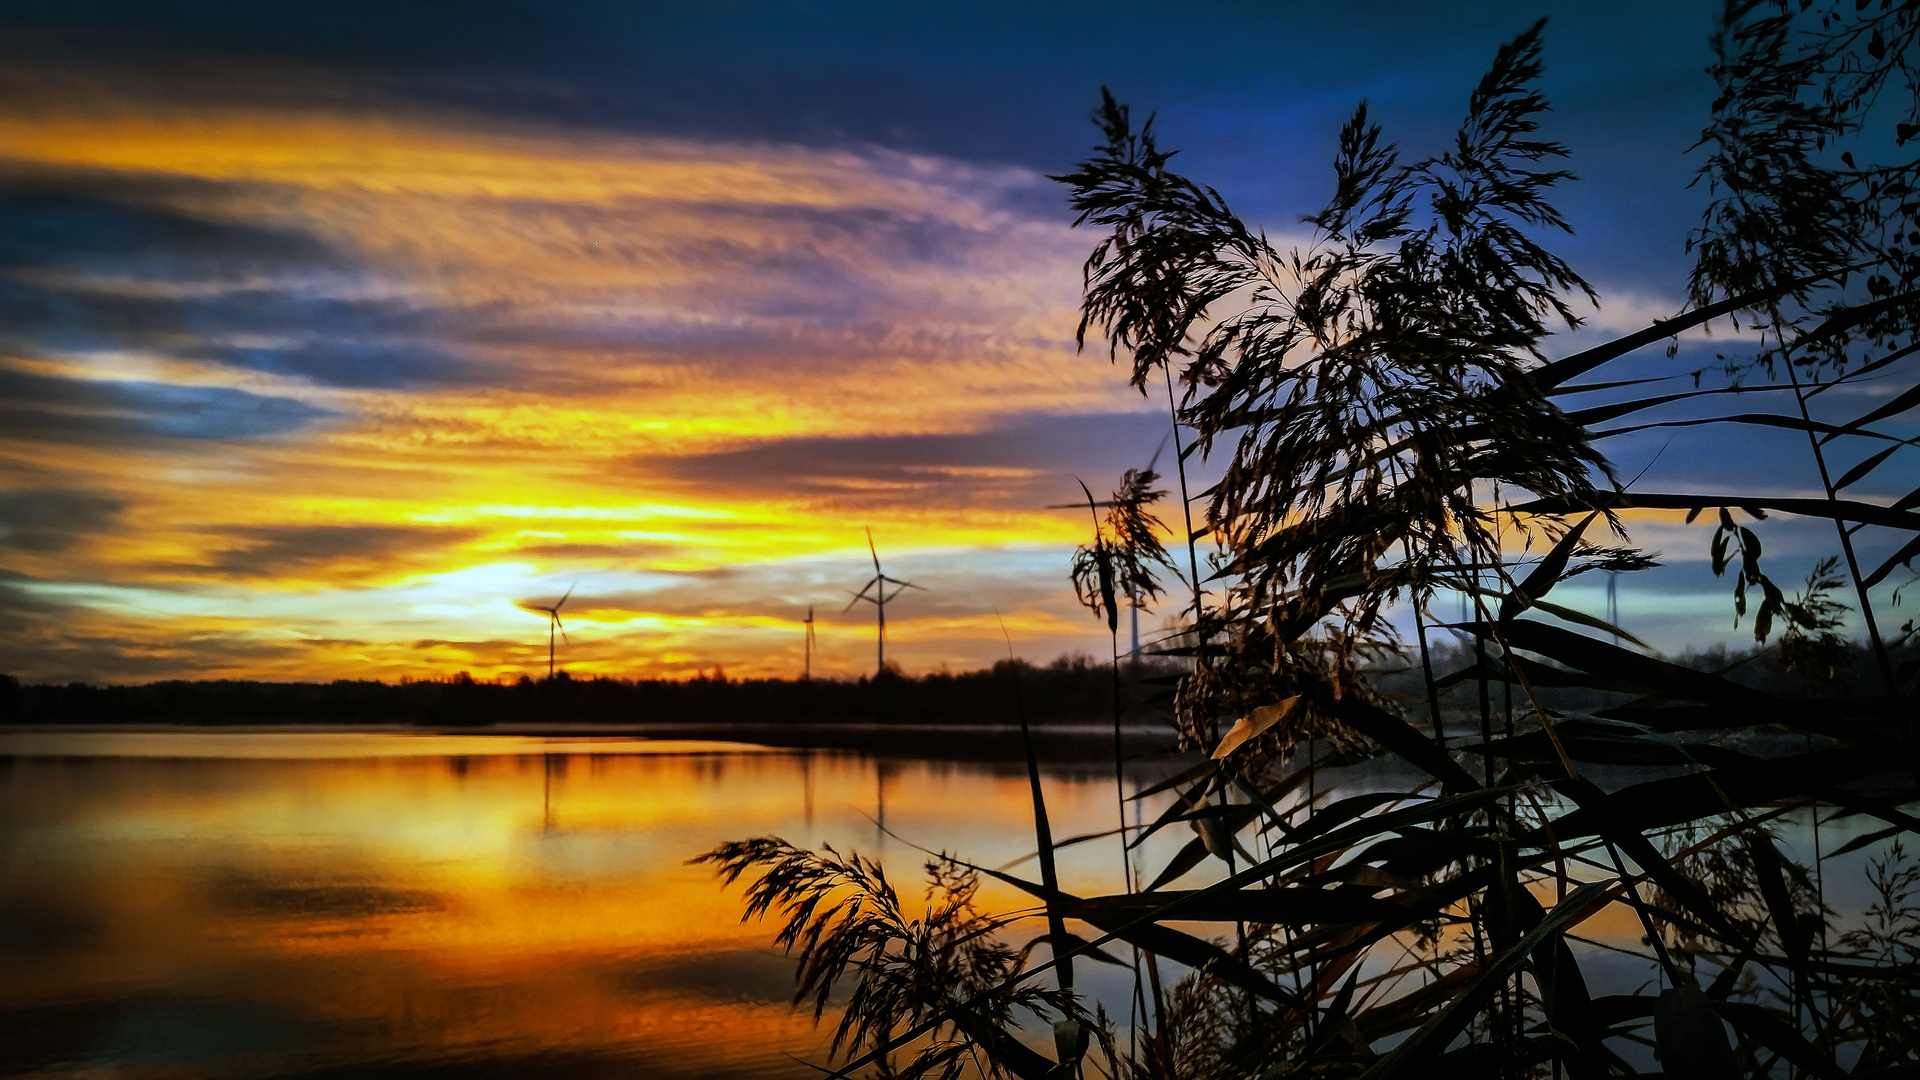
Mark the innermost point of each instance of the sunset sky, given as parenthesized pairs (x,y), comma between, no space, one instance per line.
(331,336)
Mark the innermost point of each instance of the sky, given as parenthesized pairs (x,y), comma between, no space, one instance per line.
(334,338)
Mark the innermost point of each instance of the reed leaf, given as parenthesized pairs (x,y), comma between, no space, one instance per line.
(1690,1039)
(1453,1017)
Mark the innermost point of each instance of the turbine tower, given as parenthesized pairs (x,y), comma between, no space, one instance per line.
(806,673)
(554,623)
(875,592)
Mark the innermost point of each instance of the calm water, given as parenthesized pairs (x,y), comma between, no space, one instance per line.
(306,904)
(299,904)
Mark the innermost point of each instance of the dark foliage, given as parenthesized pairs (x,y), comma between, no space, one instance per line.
(1070,690)
(1394,431)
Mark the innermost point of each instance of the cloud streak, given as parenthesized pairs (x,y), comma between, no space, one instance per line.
(320,365)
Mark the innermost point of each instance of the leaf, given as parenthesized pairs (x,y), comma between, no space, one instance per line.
(1856,373)
(1214,833)
(1778,1036)
(1586,388)
(1252,726)
(1400,1013)
(1776,420)
(1187,802)
(1898,405)
(1559,371)
(1773,889)
(1855,314)
(1189,856)
(1584,619)
(1600,414)
(1288,906)
(1865,467)
(1903,557)
(1863,840)
(1204,768)
(1453,1017)
(1622,665)
(1162,940)
(1692,1043)
(1570,1012)
(1546,575)
(1399,737)
(1653,804)
(1084,947)
(1861,804)
(1348,835)
(1838,509)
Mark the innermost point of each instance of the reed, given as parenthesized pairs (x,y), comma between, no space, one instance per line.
(1393,429)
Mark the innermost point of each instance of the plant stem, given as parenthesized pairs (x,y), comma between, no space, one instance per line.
(1846,538)
(1193,552)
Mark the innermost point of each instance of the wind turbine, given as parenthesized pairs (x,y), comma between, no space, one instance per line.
(554,623)
(806,673)
(879,597)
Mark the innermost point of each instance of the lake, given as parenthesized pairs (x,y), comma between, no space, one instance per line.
(303,903)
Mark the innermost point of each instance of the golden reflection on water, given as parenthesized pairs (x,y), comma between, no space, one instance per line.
(325,904)
(392,913)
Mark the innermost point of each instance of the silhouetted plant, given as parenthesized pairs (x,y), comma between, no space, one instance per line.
(1393,429)
(1126,548)
(944,967)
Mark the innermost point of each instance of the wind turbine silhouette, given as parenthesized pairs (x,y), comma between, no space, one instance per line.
(806,673)
(880,597)
(554,623)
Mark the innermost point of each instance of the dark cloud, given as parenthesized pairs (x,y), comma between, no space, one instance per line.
(113,226)
(382,365)
(53,521)
(975,468)
(101,267)
(105,413)
(965,584)
(107,266)
(996,81)
(271,550)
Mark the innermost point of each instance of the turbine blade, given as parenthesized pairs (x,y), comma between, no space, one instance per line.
(563,598)
(875,552)
(1155,459)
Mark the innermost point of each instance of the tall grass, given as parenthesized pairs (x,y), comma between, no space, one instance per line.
(1393,430)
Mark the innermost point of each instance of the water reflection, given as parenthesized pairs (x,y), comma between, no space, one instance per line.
(312,904)
(302,905)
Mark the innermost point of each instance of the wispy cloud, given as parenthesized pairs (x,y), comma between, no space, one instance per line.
(279,376)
